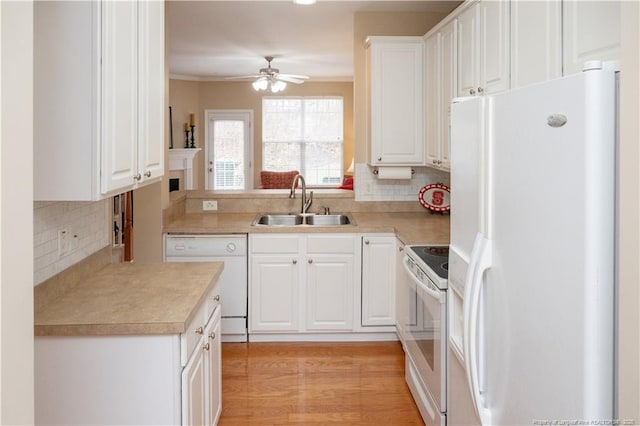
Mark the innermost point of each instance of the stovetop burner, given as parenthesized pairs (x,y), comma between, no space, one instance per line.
(434,257)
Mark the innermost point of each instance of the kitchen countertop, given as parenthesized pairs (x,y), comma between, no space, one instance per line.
(127,298)
(411,228)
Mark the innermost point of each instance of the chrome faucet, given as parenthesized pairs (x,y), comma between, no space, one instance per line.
(306,203)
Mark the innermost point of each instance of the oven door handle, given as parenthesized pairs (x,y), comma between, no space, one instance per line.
(433,293)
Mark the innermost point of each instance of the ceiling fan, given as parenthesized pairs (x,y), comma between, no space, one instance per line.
(270,78)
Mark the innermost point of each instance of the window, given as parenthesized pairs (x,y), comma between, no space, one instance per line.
(228,149)
(305,134)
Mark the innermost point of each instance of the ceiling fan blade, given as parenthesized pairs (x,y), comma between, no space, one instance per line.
(242,76)
(289,79)
(298,76)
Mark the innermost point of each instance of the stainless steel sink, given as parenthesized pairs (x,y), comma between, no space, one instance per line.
(278,220)
(328,220)
(297,219)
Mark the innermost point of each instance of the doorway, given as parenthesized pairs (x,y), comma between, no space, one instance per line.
(228,149)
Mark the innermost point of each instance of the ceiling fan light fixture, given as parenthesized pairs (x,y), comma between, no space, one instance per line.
(278,86)
(304,2)
(260,84)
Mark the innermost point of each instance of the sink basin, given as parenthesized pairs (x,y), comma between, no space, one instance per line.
(329,219)
(297,219)
(278,220)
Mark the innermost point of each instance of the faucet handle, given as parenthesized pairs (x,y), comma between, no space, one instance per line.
(327,210)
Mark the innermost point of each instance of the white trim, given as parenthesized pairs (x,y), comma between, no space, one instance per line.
(245,115)
(182,159)
(323,337)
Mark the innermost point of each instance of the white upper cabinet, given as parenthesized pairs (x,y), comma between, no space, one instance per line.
(468,50)
(440,88)
(482,54)
(591,31)
(98,98)
(536,42)
(395,115)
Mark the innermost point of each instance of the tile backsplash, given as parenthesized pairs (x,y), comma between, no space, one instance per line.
(88,226)
(369,188)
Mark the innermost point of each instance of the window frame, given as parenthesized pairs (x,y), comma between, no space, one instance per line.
(302,142)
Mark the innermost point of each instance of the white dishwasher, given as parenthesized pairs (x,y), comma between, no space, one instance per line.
(230,249)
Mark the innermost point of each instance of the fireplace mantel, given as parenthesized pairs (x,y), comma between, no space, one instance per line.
(182,159)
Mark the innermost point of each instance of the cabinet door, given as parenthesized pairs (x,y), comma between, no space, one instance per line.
(329,292)
(397,111)
(591,31)
(536,41)
(214,369)
(119,95)
(433,77)
(194,388)
(151,89)
(378,280)
(468,50)
(273,289)
(448,70)
(494,47)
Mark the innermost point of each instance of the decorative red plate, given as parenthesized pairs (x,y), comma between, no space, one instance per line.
(435,197)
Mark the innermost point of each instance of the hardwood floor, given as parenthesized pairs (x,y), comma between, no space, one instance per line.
(315,383)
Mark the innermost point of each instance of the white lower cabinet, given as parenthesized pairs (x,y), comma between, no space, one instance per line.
(302,282)
(201,378)
(378,280)
(167,379)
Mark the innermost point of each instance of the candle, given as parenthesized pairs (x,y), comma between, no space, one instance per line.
(192,119)
(186,127)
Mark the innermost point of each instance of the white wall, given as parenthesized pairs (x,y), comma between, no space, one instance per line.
(629,217)
(88,223)
(16,213)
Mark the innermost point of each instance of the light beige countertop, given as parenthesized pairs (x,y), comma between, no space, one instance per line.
(411,228)
(126,298)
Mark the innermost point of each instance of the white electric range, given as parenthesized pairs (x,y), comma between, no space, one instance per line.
(422,327)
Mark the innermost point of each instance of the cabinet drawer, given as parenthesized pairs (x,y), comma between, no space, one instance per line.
(331,244)
(193,334)
(275,244)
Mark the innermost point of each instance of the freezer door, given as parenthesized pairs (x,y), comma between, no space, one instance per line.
(468,183)
(548,295)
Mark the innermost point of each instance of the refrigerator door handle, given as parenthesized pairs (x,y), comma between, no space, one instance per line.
(480,262)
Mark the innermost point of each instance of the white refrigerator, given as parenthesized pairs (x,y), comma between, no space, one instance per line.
(532,249)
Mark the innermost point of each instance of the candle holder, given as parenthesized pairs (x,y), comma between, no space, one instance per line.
(193,140)
(186,139)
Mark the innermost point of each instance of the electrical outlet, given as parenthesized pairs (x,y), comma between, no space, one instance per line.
(67,242)
(64,241)
(209,205)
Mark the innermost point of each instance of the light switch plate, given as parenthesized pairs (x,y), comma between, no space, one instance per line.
(209,205)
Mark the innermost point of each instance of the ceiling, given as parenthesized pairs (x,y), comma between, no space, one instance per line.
(210,40)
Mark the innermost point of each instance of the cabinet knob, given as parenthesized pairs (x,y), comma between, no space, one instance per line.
(212,336)
(434,161)
(137,177)
(295,262)
(216,298)
(366,242)
(480,90)
(472,91)
(147,173)
(310,261)
(199,330)
(379,158)
(206,346)
(400,249)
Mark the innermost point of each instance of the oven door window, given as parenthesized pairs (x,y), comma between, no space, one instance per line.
(425,338)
